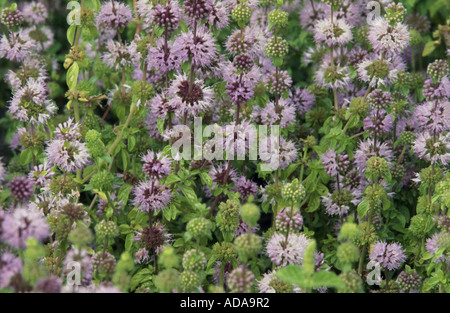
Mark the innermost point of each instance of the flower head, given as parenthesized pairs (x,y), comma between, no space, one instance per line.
(121,56)
(290,251)
(201,48)
(432,247)
(22,224)
(368,149)
(334,77)
(35,13)
(67,155)
(388,38)
(164,58)
(9,267)
(156,164)
(167,16)
(68,130)
(190,99)
(333,33)
(21,188)
(389,256)
(380,72)
(114,15)
(17,47)
(378,122)
(30,68)
(31,104)
(269,283)
(302,100)
(433,148)
(433,116)
(151,196)
(338,203)
(246,187)
(83,259)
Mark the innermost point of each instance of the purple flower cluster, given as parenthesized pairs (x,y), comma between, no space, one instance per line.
(388,256)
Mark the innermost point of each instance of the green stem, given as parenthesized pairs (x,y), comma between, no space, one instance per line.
(361,260)
(127,123)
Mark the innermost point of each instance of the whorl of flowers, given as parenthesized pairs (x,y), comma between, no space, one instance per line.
(389,256)
(22,224)
(284,251)
(201,48)
(433,149)
(151,196)
(190,99)
(31,103)
(156,164)
(67,155)
(114,15)
(35,12)
(388,38)
(333,33)
(121,56)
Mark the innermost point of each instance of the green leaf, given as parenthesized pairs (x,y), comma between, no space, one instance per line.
(277,61)
(402,219)
(131,143)
(124,193)
(327,279)
(228,236)
(436,6)
(290,169)
(71,34)
(97,4)
(363,208)
(172,179)
(313,203)
(125,159)
(129,240)
(386,203)
(125,229)
(26,156)
(206,179)
(293,274)
(178,243)
(170,213)
(189,193)
(429,48)
(296,275)
(211,262)
(72,76)
(140,277)
(107,158)
(158,31)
